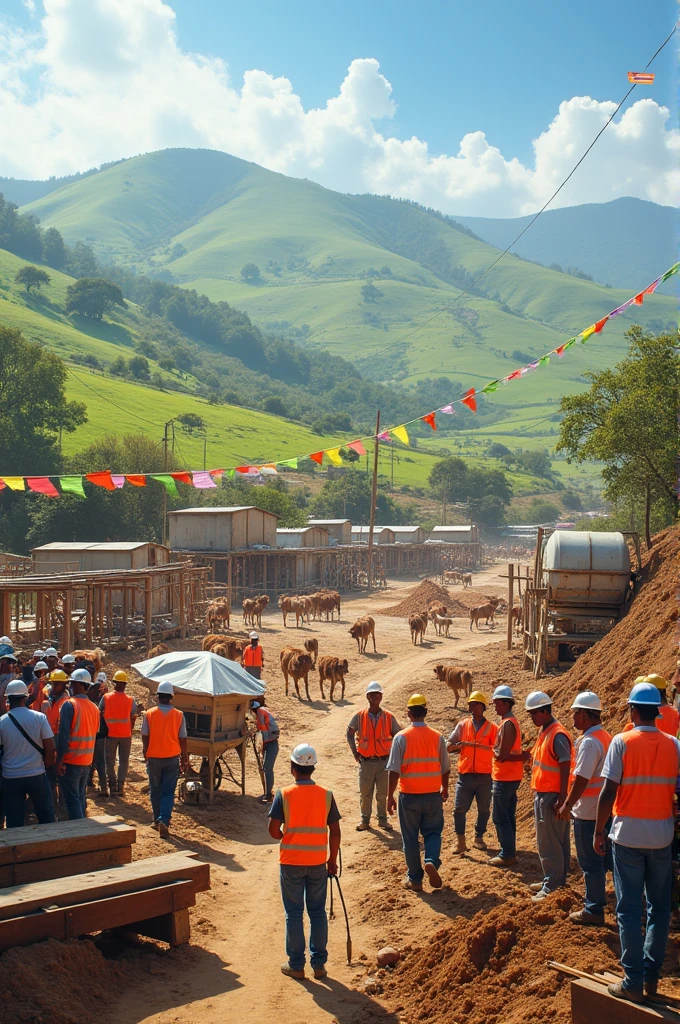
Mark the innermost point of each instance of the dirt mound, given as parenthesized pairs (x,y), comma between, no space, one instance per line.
(420,597)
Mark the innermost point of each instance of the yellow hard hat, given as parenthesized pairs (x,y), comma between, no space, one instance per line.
(58,676)
(416,700)
(656,680)
(479,696)
(120,676)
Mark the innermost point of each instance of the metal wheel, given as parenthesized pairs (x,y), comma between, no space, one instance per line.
(198,768)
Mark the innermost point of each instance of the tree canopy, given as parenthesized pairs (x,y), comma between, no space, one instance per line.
(93,296)
(487,491)
(348,495)
(31,277)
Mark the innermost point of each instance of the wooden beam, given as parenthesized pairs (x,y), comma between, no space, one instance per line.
(590,1001)
(23,873)
(147,611)
(64,838)
(511,599)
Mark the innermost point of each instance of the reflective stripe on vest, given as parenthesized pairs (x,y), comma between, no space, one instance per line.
(164,729)
(509,771)
(252,656)
(650,769)
(545,771)
(52,711)
(84,728)
(669,721)
(117,711)
(421,770)
(595,784)
(374,736)
(471,759)
(305,825)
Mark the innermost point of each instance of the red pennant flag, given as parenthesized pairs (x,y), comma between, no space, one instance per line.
(514,375)
(429,419)
(216,472)
(136,479)
(600,323)
(468,399)
(317,457)
(559,351)
(357,447)
(182,478)
(101,480)
(42,485)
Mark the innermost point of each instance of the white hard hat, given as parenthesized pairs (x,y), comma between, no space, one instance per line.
(38,654)
(101,677)
(165,687)
(587,701)
(69,659)
(5,640)
(537,699)
(81,675)
(40,666)
(16,689)
(304,755)
(502,693)
(51,652)
(254,636)
(374,687)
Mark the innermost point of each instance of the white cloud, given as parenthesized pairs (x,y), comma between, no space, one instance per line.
(103,79)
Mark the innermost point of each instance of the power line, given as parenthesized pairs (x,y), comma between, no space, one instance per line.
(110,401)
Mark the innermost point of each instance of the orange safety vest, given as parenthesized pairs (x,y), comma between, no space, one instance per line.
(84,728)
(545,770)
(52,711)
(421,770)
(595,784)
(471,759)
(509,771)
(252,656)
(374,736)
(669,721)
(265,720)
(164,729)
(36,705)
(305,825)
(650,770)
(117,711)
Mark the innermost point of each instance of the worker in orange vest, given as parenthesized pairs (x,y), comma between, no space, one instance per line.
(670,716)
(420,764)
(306,820)
(640,780)
(119,712)
(268,728)
(164,744)
(369,735)
(253,657)
(78,726)
(473,740)
(51,708)
(507,769)
(551,762)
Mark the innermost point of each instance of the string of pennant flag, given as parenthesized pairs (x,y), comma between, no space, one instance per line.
(206,479)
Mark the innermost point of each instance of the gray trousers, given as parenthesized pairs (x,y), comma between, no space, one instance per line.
(121,745)
(552,841)
(373,778)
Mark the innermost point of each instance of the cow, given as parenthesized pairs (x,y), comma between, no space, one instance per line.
(232,645)
(218,611)
(156,651)
(334,670)
(97,656)
(297,664)
(286,606)
(457,679)
(466,579)
(418,626)
(361,630)
(485,611)
(249,611)
(517,618)
(442,624)
(312,647)
(261,603)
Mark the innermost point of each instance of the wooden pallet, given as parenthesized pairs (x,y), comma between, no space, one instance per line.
(38,852)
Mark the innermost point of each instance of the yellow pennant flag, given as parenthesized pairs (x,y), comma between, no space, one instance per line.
(400,434)
(15,483)
(334,455)
(587,333)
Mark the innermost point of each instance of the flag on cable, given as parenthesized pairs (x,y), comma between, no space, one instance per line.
(42,485)
(357,447)
(401,434)
(334,455)
(430,420)
(641,77)
(469,400)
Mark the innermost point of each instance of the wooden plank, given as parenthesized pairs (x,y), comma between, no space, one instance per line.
(591,1001)
(135,877)
(174,928)
(39,842)
(24,872)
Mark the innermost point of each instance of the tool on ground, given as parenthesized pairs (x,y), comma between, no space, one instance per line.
(605,978)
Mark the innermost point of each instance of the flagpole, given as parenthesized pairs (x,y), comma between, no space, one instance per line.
(374,491)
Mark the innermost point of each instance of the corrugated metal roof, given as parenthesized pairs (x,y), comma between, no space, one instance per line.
(104,546)
(327,522)
(376,529)
(451,529)
(403,529)
(211,510)
(294,529)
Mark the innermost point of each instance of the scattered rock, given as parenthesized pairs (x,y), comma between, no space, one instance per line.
(388,956)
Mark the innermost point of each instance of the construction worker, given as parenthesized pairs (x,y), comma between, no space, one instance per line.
(253,657)
(420,764)
(164,744)
(369,735)
(269,731)
(473,739)
(585,784)
(51,708)
(52,658)
(38,684)
(119,712)
(507,769)
(669,722)
(78,725)
(68,664)
(27,745)
(640,775)
(97,690)
(551,761)
(306,820)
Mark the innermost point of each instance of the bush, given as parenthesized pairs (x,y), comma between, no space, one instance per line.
(275,406)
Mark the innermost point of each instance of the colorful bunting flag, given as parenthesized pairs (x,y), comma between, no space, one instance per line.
(448,409)
(202,480)
(430,420)
(72,485)
(15,483)
(401,434)
(669,273)
(118,481)
(231,473)
(317,457)
(268,470)
(334,455)
(620,309)
(469,400)
(490,387)
(514,375)
(42,485)
(357,447)
(216,473)
(168,483)
(182,478)
(544,360)
(385,436)
(102,479)
(559,352)
(641,77)
(600,324)
(136,479)
(584,335)
(291,463)
(568,344)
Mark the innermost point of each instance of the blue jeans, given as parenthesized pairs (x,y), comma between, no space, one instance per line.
(74,787)
(302,884)
(593,866)
(271,752)
(505,816)
(639,872)
(421,814)
(15,792)
(163,774)
(472,786)
(552,841)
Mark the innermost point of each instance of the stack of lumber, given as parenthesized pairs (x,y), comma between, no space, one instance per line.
(591,1001)
(35,852)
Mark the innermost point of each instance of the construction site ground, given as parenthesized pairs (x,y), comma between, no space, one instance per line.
(474,952)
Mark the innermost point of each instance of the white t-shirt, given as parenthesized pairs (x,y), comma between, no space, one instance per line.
(19,759)
(589,754)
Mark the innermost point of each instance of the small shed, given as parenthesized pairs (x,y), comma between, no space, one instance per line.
(381,535)
(408,534)
(74,556)
(302,537)
(229,528)
(339,530)
(456,534)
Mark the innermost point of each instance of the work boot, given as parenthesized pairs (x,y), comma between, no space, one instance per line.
(433,876)
(620,991)
(154,825)
(585,917)
(387,825)
(104,791)
(651,986)
(461,845)
(120,791)
(163,830)
(479,843)
(503,862)
(291,973)
(413,886)
(320,972)
(363,826)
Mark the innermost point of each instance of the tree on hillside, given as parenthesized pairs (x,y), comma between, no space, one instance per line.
(93,296)
(369,293)
(139,367)
(54,250)
(250,273)
(191,421)
(486,491)
(349,496)
(541,511)
(31,277)
(275,405)
(628,420)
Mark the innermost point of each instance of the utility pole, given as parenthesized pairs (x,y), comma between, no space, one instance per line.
(205,446)
(165,469)
(374,491)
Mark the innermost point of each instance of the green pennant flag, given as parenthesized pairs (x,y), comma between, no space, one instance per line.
(291,463)
(230,473)
(669,273)
(72,485)
(543,360)
(493,386)
(168,483)
(568,344)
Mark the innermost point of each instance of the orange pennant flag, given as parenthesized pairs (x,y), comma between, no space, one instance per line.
(181,478)
(357,447)
(317,457)
(468,399)
(429,419)
(101,480)
(136,479)
(600,324)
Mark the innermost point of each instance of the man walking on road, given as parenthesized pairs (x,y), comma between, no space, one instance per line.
(164,744)
(369,735)
(640,777)
(78,726)
(473,739)
(253,657)
(506,774)
(420,764)
(27,745)
(305,818)
(119,712)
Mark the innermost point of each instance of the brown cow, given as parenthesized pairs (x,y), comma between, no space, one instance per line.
(312,647)
(159,649)
(517,618)
(334,670)
(361,630)
(97,656)
(218,611)
(457,679)
(249,611)
(485,611)
(261,603)
(418,626)
(467,579)
(286,606)
(442,624)
(296,663)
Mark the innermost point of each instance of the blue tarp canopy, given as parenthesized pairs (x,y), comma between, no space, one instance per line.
(200,672)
